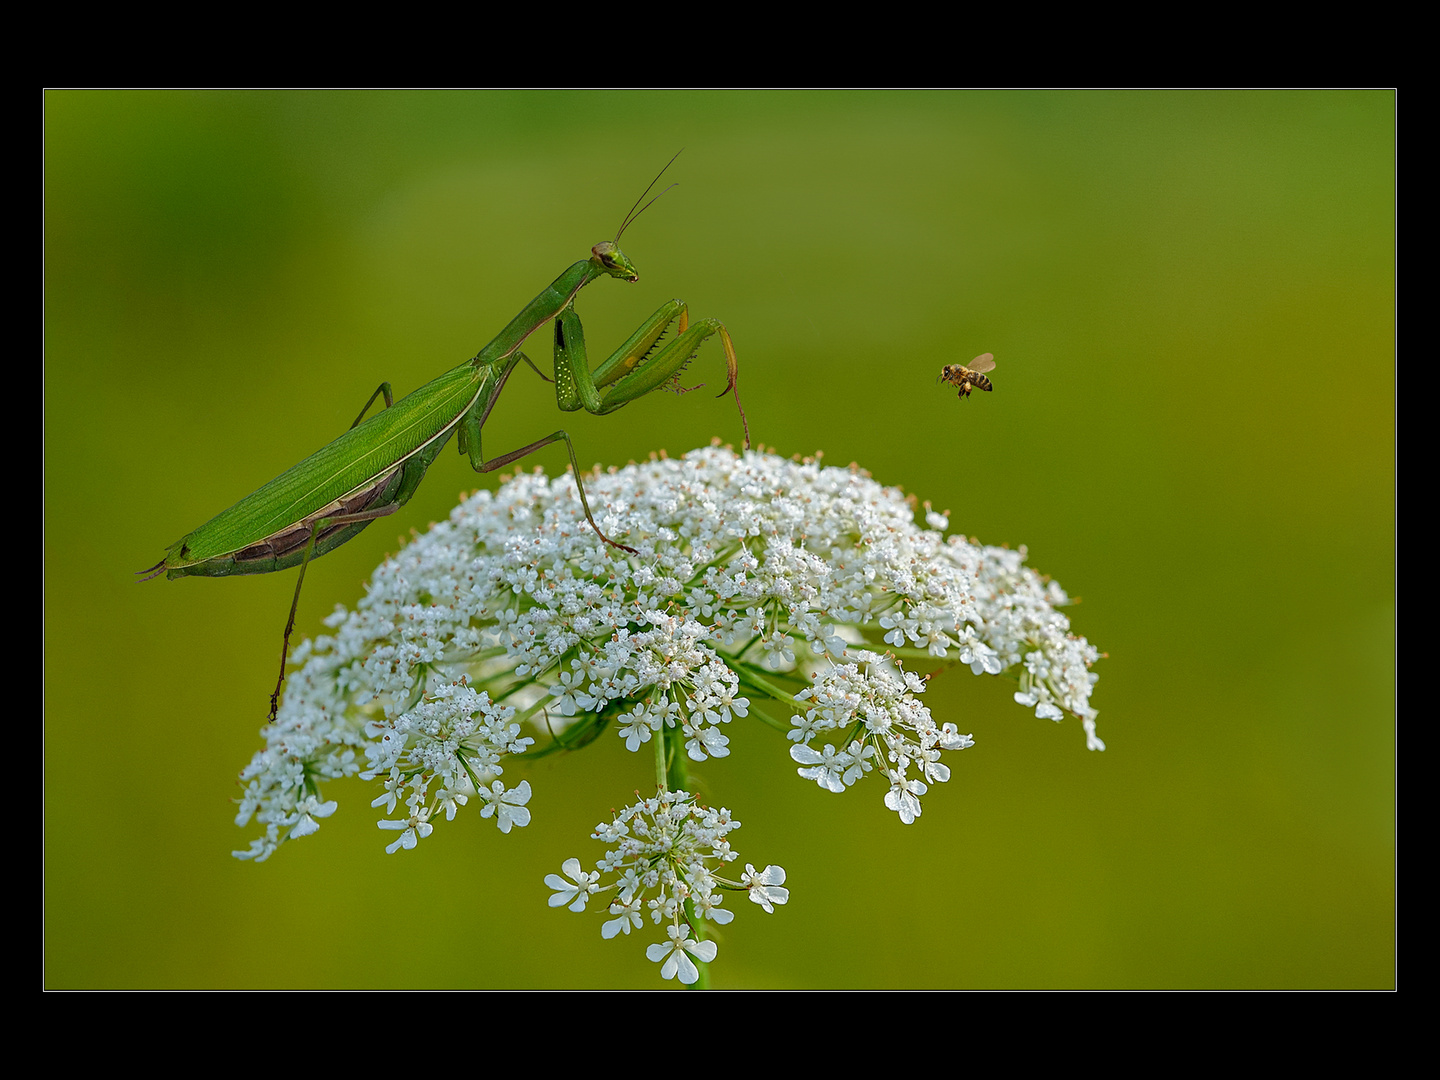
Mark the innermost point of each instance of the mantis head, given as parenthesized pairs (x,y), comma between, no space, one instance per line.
(607,253)
(613,261)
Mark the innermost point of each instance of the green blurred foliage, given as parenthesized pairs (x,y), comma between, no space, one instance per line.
(1191,298)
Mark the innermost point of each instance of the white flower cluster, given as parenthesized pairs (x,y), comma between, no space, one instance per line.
(1021,617)
(451,740)
(673,847)
(763,588)
(682,683)
(878,707)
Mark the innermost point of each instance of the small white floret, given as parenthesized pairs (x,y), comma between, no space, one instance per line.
(765,886)
(673,959)
(577,890)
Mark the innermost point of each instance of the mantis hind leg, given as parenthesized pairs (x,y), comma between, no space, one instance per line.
(315,531)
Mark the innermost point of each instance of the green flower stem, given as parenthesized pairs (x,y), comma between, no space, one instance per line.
(677,772)
(661,777)
(749,677)
(766,718)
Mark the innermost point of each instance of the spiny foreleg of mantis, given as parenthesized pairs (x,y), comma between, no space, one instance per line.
(637,366)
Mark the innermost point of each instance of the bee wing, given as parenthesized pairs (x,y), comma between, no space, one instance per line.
(982,363)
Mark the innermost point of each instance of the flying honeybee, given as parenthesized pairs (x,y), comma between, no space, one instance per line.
(972,377)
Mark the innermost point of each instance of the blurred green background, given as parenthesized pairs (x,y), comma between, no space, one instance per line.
(1190,297)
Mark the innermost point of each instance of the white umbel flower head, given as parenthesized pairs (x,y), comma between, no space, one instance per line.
(763,589)
(669,858)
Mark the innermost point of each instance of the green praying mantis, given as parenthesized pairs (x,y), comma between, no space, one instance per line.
(374,468)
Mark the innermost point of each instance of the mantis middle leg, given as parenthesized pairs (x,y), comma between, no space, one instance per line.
(469,439)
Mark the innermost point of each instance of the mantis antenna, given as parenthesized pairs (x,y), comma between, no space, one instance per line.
(633,214)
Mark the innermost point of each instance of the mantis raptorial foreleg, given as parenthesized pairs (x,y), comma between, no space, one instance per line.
(635,368)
